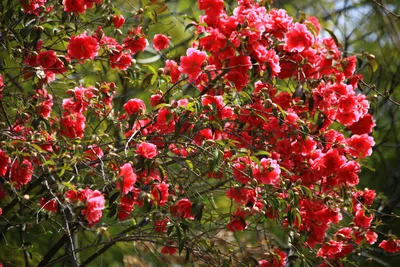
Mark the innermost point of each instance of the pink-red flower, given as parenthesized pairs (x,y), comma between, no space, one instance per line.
(183,208)
(191,63)
(4,161)
(160,193)
(94,206)
(73,125)
(118,21)
(236,224)
(135,106)
(268,172)
(155,99)
(334,250)
(363,126)
(360,146)
(160,42)
(21,173)
(172,69)
(298,38)
(161,226)
(83,47)
(128,178)
(146,150)
(135,44)
(127,206)
(168,249)
(50,205)
(391,245)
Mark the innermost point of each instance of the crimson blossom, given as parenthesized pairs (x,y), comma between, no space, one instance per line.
(256,126)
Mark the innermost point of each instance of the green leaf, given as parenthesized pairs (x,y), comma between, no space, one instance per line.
(36,147)
(112,211)
(181,245)
(49,162)
(113,198)
(373,64)
(189,26)
(262,153)
(333,37)
(161,106)
(147,81)
(298,92)
(189,164)
(170,229)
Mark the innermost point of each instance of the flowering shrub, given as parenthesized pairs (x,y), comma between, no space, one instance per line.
(269,141)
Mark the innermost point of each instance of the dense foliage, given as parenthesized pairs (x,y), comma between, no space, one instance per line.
(243,150)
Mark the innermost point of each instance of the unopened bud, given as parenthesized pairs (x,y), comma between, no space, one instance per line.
(140,11)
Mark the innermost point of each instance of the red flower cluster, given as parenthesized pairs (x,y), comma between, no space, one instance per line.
(93,201)
(83,47)
(78,6)
(135,106)
(146,150)
(128,178)
(118,21)
(160,42)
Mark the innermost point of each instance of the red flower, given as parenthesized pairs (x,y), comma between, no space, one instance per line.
(334,250)
(160,193)
(161,226)
(79,101)
(155,99)
(237,224)
(360,145)
(50,205)
(269,171)
(122,62)
(171,68)
(363,198)
(127,205)
(371,236)
(278,22)
(278,259)
(118,21)
(33,6)
(183,208)
(146,150)
(47,59)
(169,250)
(4,161)
(93,153)
(94,206)
(361,220)
(77,6)
(135,45)
(83,46)
(128,178)
(363,126)
(21,173)
(135,106)
(191,64)
(160,42)
(390,245)
(298,38)
(73,125)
